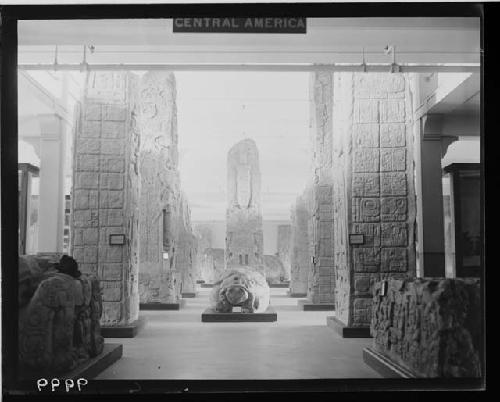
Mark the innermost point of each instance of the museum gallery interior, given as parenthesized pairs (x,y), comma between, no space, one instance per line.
(249,198)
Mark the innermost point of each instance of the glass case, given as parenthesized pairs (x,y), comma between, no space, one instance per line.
(462,219)
(28,208)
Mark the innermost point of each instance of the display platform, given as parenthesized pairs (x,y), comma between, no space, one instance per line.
(306,305)
(347,332)
(162,306)
(279,285)
(385,366)
(123,331)
(210,315)
(298,295)
(188,295)
(206,285)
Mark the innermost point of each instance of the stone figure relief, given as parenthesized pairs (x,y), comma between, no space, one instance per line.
(244,236)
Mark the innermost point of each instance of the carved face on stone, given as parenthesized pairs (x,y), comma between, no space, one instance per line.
(236,294)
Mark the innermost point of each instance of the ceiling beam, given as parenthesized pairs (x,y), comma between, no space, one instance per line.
(473,68)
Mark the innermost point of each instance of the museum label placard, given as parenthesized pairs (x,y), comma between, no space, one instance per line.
(274,25)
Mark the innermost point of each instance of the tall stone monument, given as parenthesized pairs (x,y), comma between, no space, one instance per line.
(156,111)
(319,195)
(105,192)
(244,235)
(300,258)
(374,194)
(284,244)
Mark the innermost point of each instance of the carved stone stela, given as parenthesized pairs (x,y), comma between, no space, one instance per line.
(244,235)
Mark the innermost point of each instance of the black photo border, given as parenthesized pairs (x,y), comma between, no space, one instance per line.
(9,199)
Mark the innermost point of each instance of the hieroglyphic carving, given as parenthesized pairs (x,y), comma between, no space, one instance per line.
(394,234)
(366,259)
(365,185)
(393,208)
(365,209)
(394,259)
(105,191)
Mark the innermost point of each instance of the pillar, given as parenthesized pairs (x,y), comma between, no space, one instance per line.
(51,198)
(433,264)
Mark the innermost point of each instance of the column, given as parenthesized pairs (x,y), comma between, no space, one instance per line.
(433,263)
(51,198)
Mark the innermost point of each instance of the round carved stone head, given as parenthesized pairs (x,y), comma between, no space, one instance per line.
(236,294)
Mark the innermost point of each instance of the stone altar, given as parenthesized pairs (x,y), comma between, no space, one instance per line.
(427,327)
(240,287)
(59,314)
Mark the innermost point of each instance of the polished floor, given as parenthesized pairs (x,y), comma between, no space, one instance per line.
(177,345)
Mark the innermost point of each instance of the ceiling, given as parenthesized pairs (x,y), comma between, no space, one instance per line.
(328,40)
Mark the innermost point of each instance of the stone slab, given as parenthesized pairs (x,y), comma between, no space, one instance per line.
(306,305)
(347,332)
(291,294)
(209,315)
(279,285)
(111,353)
(162,306)
(199,281)
(123,331)
(385,366)
(188,295)
(207,285)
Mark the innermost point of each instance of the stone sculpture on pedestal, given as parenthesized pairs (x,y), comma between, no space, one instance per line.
(240,287)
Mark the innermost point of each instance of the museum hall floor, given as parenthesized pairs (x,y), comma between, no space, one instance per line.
(177,345)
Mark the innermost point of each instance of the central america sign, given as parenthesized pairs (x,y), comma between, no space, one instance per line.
(273,25)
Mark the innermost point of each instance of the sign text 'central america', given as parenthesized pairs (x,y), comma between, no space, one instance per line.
(241,25)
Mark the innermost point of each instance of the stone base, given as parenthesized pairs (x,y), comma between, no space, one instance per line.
(123,331)
(291,294)
(385,366)
(111,353)
(347,332)
(279,285)
(306,305)
(207,285)
(188,295)
(162,306)
(209,315)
